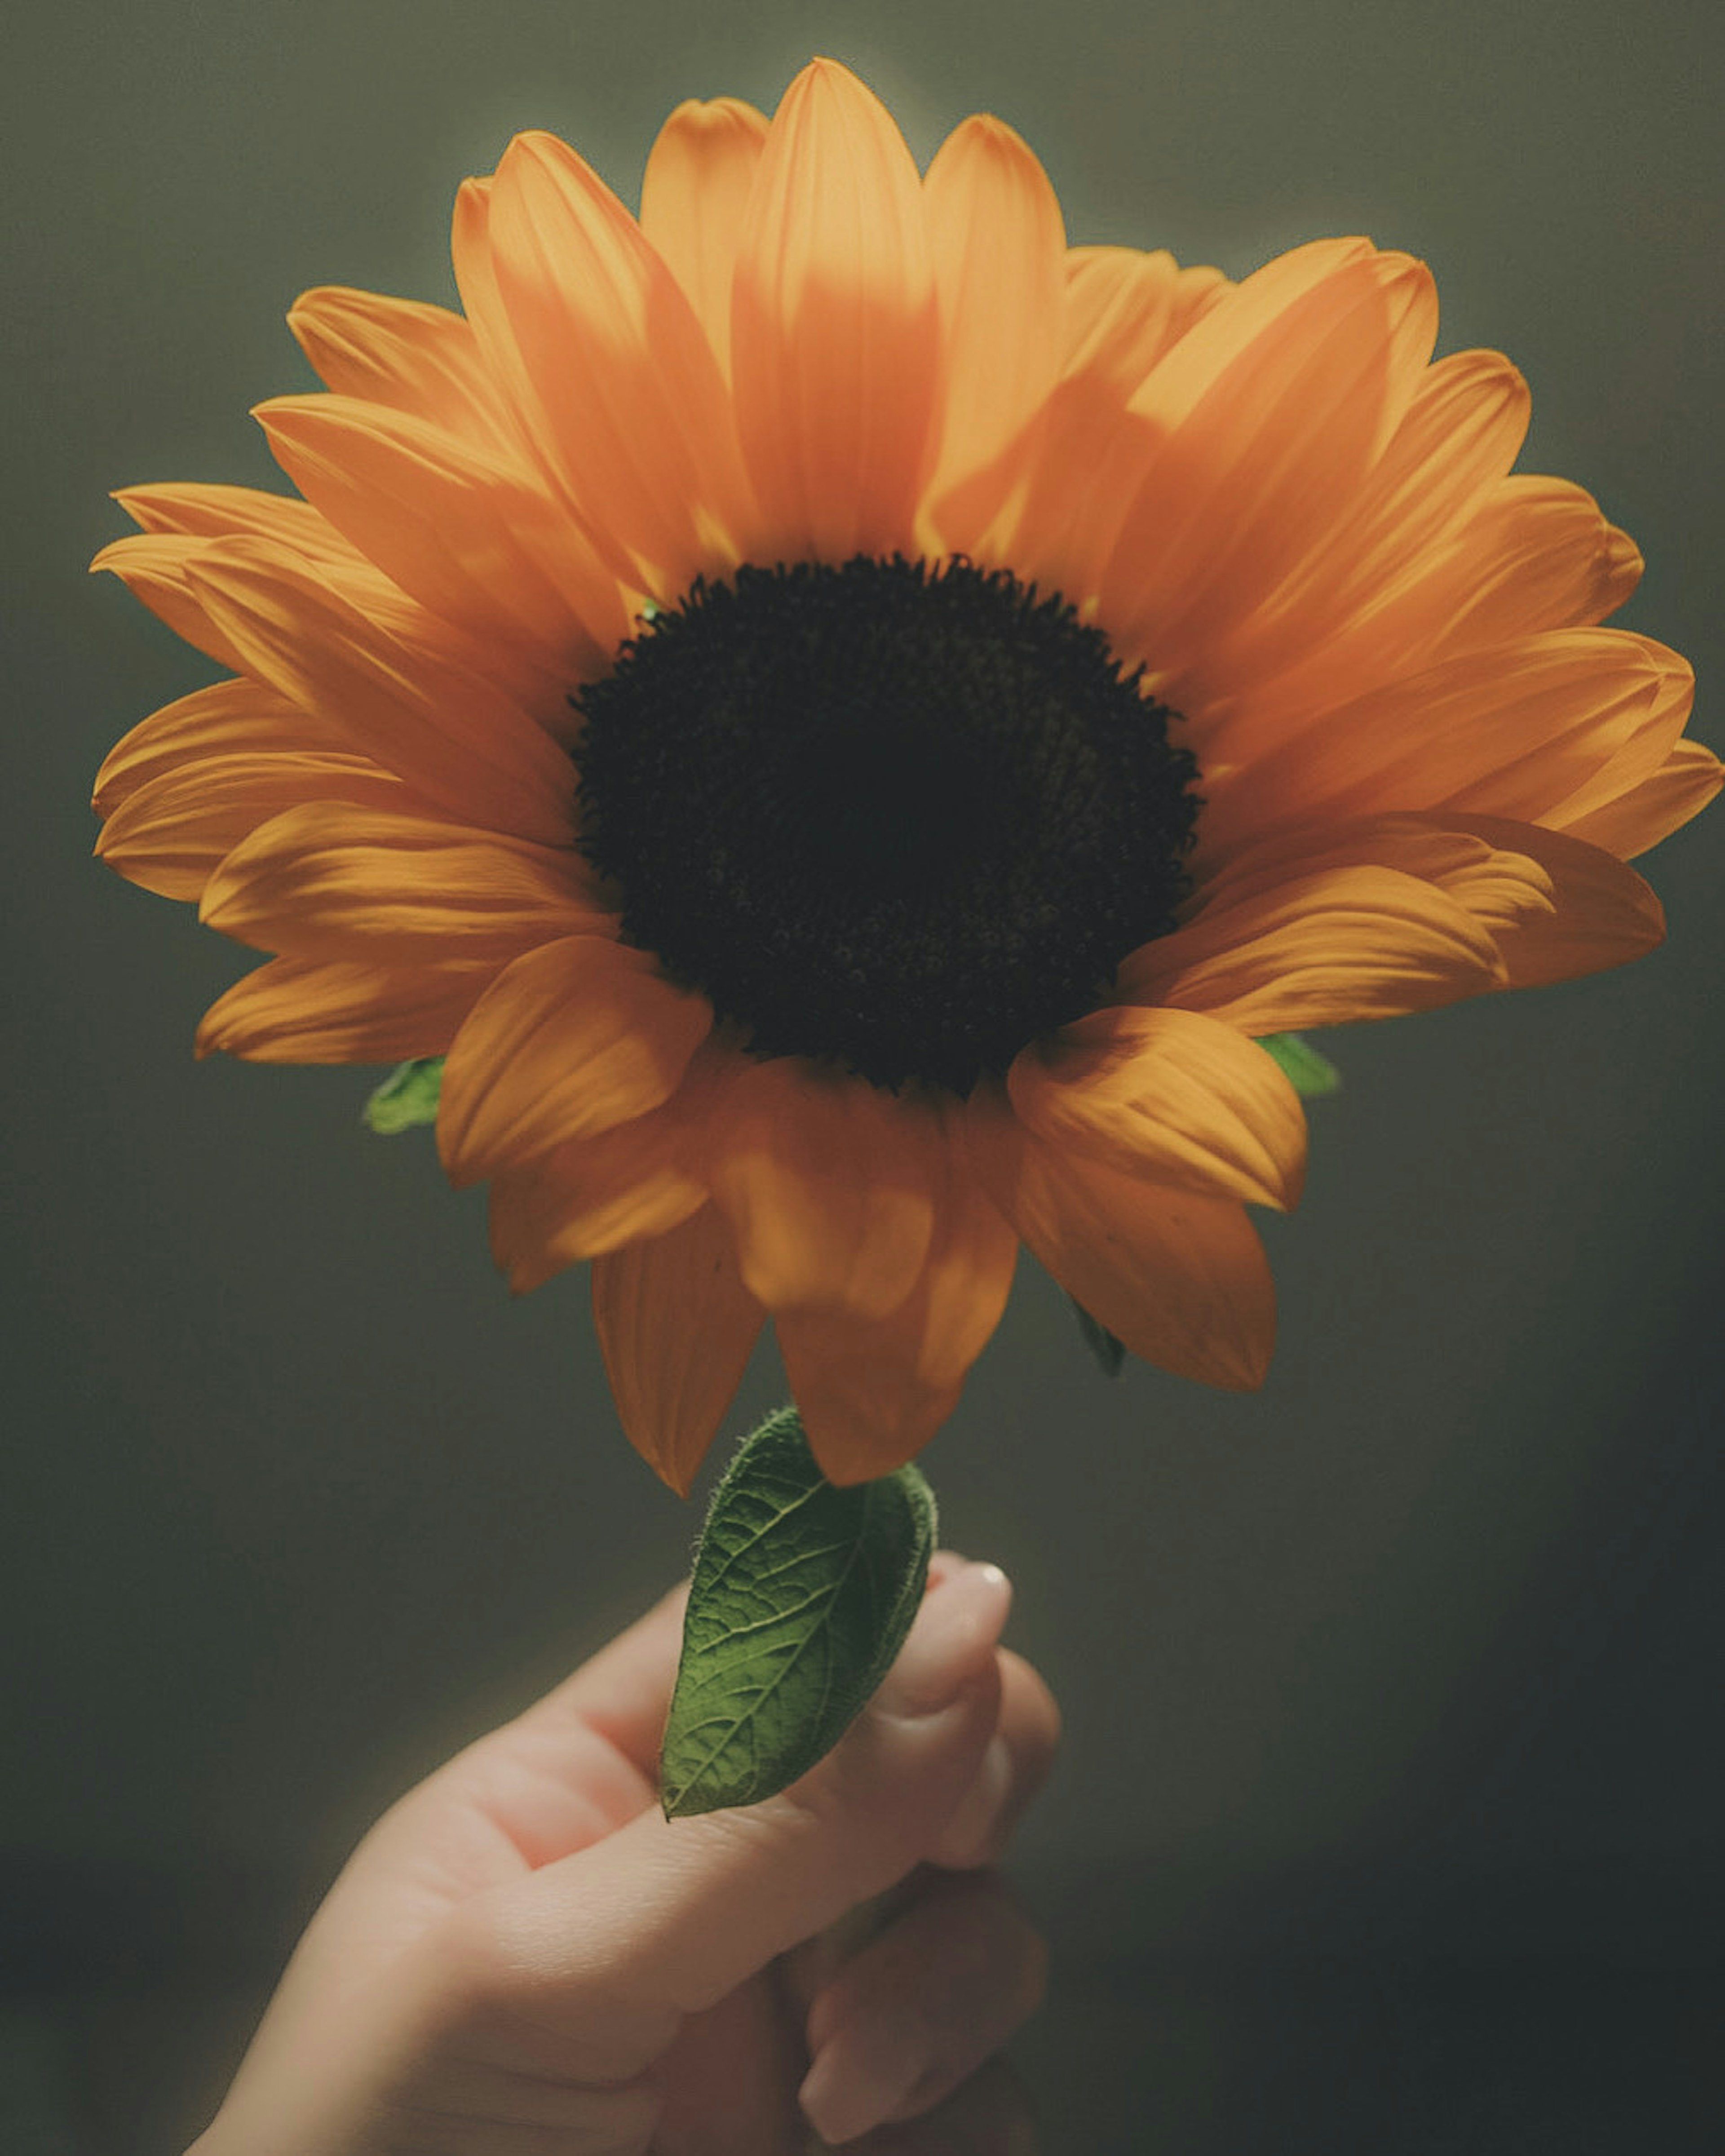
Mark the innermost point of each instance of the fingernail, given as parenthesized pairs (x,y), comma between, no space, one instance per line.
(950,1642)
(860,2078)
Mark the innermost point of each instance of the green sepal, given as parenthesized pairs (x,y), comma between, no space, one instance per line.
(1311,1076)
(1110,1353)
(406,1096)
(801,1596)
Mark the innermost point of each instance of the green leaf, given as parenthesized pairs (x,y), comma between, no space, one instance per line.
(1110,1353)
(406,1096)
(1311,1074)
(803,1594)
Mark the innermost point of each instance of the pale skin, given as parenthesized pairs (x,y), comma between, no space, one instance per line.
(523,1958)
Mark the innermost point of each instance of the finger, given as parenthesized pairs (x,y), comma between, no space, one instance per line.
(572,1769)
(578,1763)
(916,2013)
(990,2115)
(624,1691)
(729,2079)
(1014,1767)
(605,1949)
(942,1565)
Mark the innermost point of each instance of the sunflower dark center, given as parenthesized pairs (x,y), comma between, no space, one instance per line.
(900,819)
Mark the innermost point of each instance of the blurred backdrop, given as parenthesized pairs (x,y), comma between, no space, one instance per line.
(1393,1692)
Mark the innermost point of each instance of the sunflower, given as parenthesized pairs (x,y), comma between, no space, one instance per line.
(846,719)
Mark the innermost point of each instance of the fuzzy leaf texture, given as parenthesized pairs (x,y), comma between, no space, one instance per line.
(407,1096)
(801,1596)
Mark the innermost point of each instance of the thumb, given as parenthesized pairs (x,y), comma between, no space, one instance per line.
(613,1945)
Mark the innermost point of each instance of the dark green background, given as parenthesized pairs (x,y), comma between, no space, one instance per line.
(1411,1662)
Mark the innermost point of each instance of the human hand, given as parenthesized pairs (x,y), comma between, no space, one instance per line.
(523,1958)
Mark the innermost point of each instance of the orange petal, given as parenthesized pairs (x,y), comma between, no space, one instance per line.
(228,718)
(1320,636)
(1642,750)
(1269,304)
(1256,466)
(476,277)
(1532,554)
(405,354)
(327,880)
(1302,932)
(195,509)
(1075,483)
(639,423)
(470,536)
(1168,1094)
(1177,1276)
(180,518)
(171,834)
(828,1183)
(872,1391)
(1615,576)
(590,1196)
(694,194)
(295,1010)
(676,1327)
(1324,949)
(1681,788)
(1497,889)
(1602,913)
(1539,555)
(571,1038)
(834,325)
(998,248)
(453,735)
(1515,731)
(1193,422)
(1125,310)
(153,570)
(482,304)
